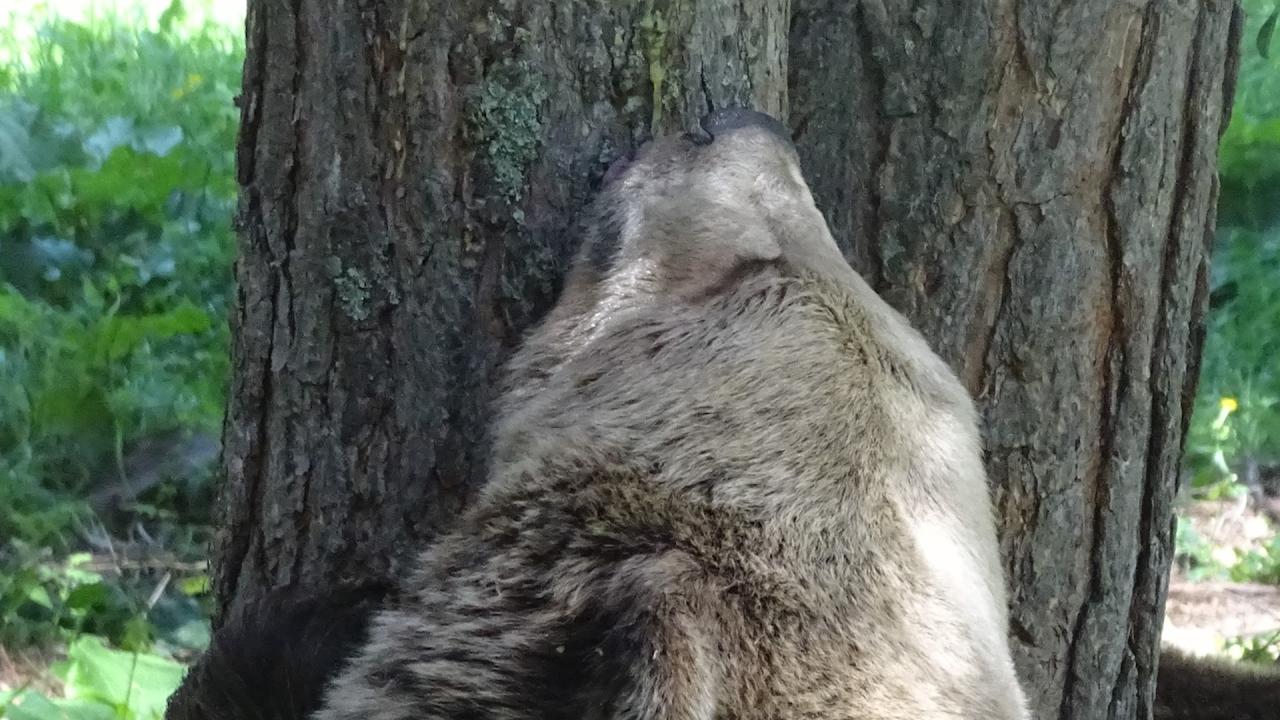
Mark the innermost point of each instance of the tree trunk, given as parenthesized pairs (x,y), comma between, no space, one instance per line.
(410,174)
(1033,187)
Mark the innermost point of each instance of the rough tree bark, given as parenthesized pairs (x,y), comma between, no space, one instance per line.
(1032,185)
(410,171)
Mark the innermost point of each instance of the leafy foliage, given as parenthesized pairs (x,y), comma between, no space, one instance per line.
(44,600)
(1264,649)
(1236,423)
(1205,561)
(101,684)
(116,193)
(1248,166)
(1267,30)
(1238,408)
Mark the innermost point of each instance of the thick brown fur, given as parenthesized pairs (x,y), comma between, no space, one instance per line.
(1197,688)
(729,481)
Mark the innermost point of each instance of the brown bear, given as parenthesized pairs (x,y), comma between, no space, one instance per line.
(728,481)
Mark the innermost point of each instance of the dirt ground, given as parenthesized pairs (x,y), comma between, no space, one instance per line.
(1199,616)
(27,669)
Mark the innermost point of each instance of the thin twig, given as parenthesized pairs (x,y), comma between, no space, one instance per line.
(159,590)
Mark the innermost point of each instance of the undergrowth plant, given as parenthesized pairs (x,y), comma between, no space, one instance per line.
(1234,436)
(102,683)
(116,195)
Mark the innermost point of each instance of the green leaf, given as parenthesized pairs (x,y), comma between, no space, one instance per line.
(15,310)
(39,595)
(137,634)
(87,596)
(1266,31)
(172,15)
(194,585)
(131,180)
(119,335)
(31,705)
(135,682)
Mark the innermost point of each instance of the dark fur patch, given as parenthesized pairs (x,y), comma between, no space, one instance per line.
(1190,688)
(579,671)
(274,661)
(604,241)
(729,119)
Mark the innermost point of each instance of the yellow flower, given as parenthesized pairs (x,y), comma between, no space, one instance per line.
(193,81)
(1228,404)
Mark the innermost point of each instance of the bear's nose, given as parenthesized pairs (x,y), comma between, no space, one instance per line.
(723,122)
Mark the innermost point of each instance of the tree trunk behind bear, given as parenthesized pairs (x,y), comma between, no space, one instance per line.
(1033,187)
(410,175)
